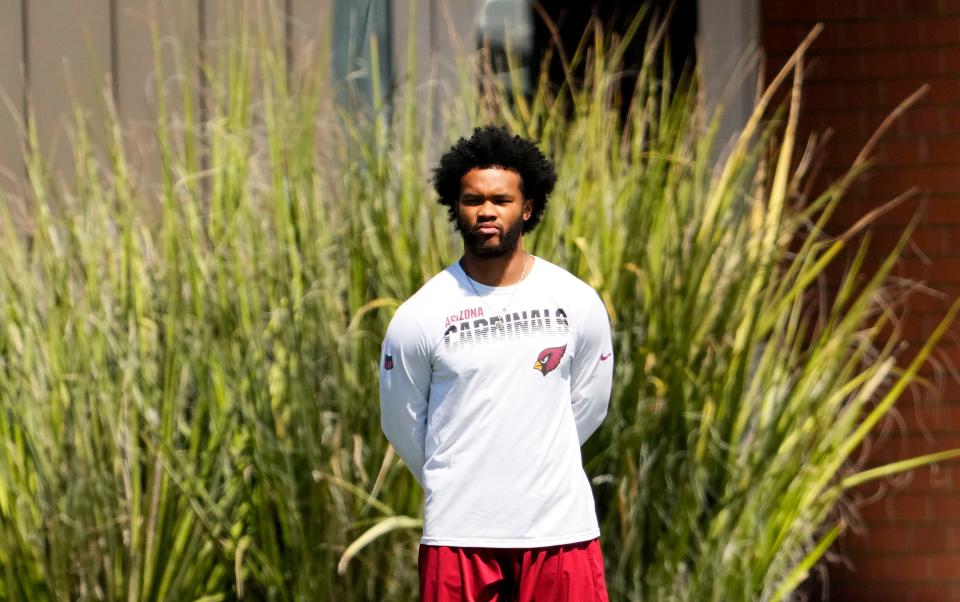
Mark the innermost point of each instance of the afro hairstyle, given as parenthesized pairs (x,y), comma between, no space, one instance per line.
(492,146)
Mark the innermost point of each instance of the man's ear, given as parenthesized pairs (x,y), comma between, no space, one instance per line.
(527,209)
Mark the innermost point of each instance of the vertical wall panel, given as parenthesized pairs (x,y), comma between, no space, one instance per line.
(11,89)
(223,22)
(454,33)
(729,35)
(69,54)
(309,30)
(355,25)
(176,24)
(422,17)
(310,38)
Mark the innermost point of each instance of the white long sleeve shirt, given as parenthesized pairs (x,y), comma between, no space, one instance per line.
(487,394)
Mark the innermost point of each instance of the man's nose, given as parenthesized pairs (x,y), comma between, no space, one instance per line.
(487,210)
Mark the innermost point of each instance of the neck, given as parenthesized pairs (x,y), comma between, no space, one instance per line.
(505,270)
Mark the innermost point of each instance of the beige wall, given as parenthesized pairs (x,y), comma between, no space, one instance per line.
(445,31)
(69,50)
(11,88)
(177,29)
(54,53)
(728,41)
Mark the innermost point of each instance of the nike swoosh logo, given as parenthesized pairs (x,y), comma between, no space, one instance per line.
(604,358)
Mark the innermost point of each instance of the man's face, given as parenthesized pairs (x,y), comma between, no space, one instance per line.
(491,211)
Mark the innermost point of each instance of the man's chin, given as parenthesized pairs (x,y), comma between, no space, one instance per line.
(492,253)
(489,249)
(490,246)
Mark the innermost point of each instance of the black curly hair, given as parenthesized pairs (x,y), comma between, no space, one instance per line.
(492,146)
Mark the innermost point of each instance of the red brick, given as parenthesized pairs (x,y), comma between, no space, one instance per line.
(941,269)
(951,245)
(914,269)
(951,119)
(927,592)
(885,183)
(942,89)
(907,568)
(953,537)
(942,30)
(915,329)
(937,480)
(821,94)
(789,10)
(951,60)
(945,566)
(930,539)
(863,34)
(881,8)
(929,7)
(829,10)
(873,568)
(949,180)
(882,183)
(936,418)
(922,61)
(864,94)
(927,480)
(855,207)
(921,120)
(903,152)
(783,38)
(885,63)
(829,37)
(899,507)
(944,210)
(882,538)
(852,589)
(950,391)
(945,507)
(927,241)
(944,150)
(948,353)
(926,179)
(924,240)
(901,32)
(837,67)
(847,125)
(910,446)
(914,533)
(838,157)
(940,294)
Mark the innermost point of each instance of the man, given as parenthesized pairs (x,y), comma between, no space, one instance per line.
(493,375)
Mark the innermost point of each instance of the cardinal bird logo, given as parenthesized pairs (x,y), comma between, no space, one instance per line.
(549,359)
(388,362)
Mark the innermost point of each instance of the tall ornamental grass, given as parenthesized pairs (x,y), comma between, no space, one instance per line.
(188,397)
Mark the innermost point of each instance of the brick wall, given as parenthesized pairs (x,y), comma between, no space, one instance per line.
(871,55)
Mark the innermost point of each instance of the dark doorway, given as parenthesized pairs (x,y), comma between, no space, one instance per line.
(572,18)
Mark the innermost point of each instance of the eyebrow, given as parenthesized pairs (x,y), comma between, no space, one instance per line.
(497,195)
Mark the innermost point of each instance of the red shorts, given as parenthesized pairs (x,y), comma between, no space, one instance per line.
(565,573)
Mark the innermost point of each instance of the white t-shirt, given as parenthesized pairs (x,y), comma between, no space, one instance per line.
(488,405)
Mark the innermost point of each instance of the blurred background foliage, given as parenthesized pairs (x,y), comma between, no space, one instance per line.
(188,397)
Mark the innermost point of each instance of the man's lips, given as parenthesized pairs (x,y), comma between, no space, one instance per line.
(487,229)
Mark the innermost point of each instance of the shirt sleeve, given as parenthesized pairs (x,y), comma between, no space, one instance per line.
(592,369)
(405,372)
